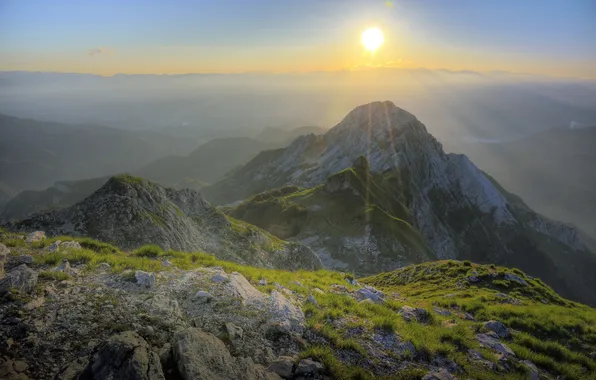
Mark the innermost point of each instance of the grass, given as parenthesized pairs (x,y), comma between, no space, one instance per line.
(558,336)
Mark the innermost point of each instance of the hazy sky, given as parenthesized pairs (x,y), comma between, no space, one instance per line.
(181,36)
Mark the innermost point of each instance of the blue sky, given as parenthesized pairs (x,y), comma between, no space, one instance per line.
(546,37)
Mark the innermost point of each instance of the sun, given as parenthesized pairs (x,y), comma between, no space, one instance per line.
(372,38)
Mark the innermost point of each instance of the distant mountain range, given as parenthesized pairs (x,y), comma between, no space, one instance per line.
(34,154)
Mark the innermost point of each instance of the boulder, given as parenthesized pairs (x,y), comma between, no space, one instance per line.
(124,356)
(219,277)
(442,374)
(55,246)
(473,279)
(311,299)
(283,366)
(497,327)
(70,245)
(309,368)
(72,370)
(531,369)
(21,278)
(35,236)
(239,287)
(289,316)
(25,259)
(203,296)
(338,289)
(234,332)
(200,355)
(145,278)
(442,312)
(370,293)
(515,278)
(410,314)
(492,342)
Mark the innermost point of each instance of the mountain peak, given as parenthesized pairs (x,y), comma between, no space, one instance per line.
(377,114)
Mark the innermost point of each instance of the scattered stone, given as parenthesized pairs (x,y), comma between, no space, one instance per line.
(145,278)
(338,289)
(239,287)
(105,267)
(20,366)
(234,332)
(4,252)
(473,279)
(283,366)
(468,317)
(515,278)
(219,277)
(21,278)
(203,297)
(442,312)
(311,299)
(124,356)
(64,267)
(498,327)
(296,282)
(166,263)
(413,314)
(492,342)
(262,282)
(371,293)
(318,291)
(531,369)
(34,304)
(25,259)
(352,281)
(55,246)
(70,245)
(309,368)
(443,374)
(36,236)
(283,312)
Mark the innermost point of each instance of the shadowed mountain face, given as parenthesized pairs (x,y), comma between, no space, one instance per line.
(459,211)
(552,171)
(130,212)
(35,154)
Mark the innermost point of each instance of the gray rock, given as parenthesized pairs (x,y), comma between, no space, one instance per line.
(318,291)
(338,289)
(283,312)
(442,374)
(370,293)
(473,279)
(296,282)
(309,368)
(105,267)
(238,286)
(492,342)
(21,278)
(166,263)
(200,355)
(442,312)
(145,278)
(532,370)
(262,282)
(468,317)
(497,327)
(413,314)
(70,245)
(219,277)
(55,246)
(311,299)
(515,278)
(203,296)
(64,267)
(283,366)
(124,356)
(35,236)
(234,332)
(25,259)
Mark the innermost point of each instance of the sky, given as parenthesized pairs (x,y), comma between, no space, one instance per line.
(106,37)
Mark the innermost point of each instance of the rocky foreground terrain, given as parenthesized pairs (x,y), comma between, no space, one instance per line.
(83,309)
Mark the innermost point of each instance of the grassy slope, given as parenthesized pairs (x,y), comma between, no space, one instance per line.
(290,212)
(558,336)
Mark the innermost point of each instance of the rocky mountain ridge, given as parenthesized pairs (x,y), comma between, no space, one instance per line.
(131,212)
(460,211)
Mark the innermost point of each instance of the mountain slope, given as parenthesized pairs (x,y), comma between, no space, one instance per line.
(353,221)
(35,154)
(208,163)
(459,211)
(552,171)
(131,212)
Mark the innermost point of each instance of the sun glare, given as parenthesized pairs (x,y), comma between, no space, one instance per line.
(372,38)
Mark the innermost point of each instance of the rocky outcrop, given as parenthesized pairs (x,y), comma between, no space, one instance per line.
(21,278)
(130,212)
(124,356)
